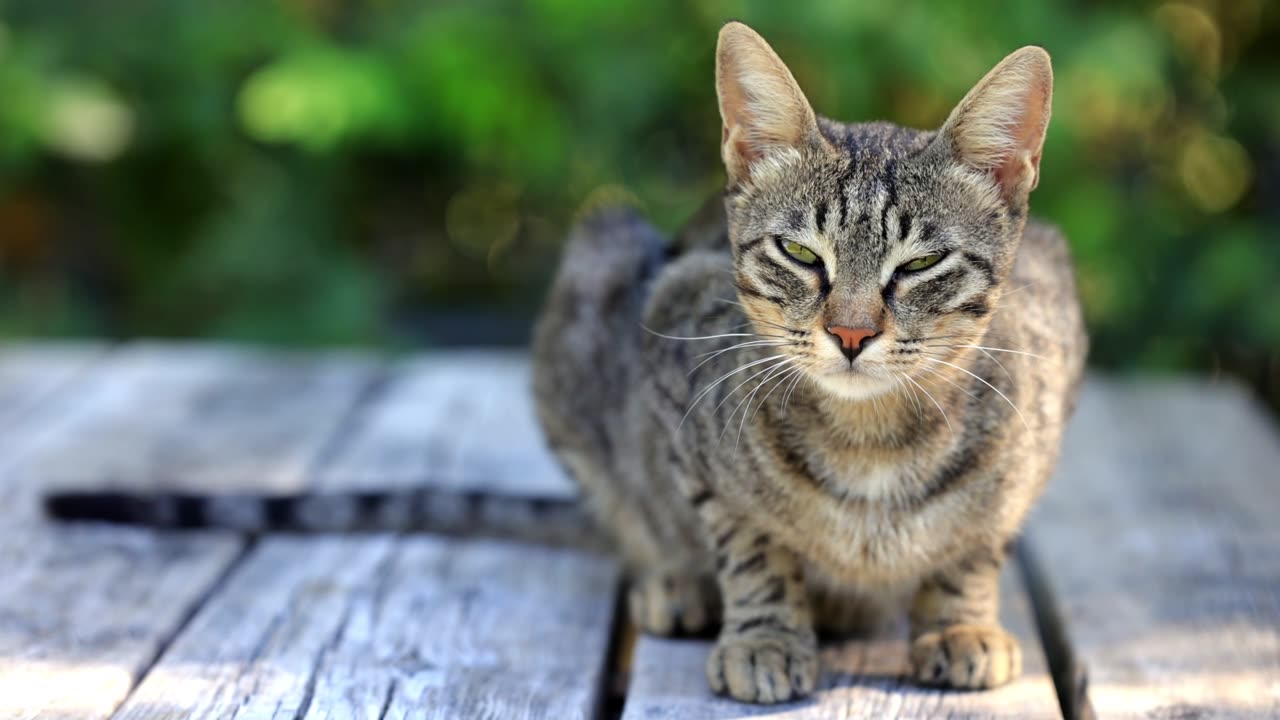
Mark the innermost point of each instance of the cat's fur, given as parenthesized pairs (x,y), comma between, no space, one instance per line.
(753,475)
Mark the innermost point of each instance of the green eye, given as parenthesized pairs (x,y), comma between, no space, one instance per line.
(922,262)
(800,252)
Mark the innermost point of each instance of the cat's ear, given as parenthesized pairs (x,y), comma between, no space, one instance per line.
(763,109)
(999,126)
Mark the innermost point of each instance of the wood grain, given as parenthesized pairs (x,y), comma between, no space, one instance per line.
(383,627)
(459,419)
(1160,542)
(194,417)
(85,611)
(860,679)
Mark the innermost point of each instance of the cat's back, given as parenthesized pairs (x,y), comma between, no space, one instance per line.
(1040,320)
(1042,290)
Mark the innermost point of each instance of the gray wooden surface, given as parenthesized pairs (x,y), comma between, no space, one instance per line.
(30,376)
(1160,541)
(85,611)
(37,390)
(861,679)
(462,420)
(1157,546)
(203,417)
(387,627)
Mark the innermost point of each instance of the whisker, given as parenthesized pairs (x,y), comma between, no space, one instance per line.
(748,343)
(721,379)
(945,419)
(914,397)
(751,343)
(997,362)
(766,322)
(1018,289)
(701,337)
(792,390)
(939,373)
(979,349)
(744,382)
(967,337)
(727,301)
(1004,350)
(781,382)
(747,400)
(984,382)
(793,331)
(984,350)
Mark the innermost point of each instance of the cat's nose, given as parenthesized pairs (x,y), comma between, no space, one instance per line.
(850,339)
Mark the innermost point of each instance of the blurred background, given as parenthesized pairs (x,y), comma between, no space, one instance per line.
(401,173)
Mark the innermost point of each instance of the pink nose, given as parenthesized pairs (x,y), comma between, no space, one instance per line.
(851,339)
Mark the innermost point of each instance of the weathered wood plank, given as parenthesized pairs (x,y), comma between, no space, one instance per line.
(30,374)
(85,611)
(461,420)
(1158,541)
(861,679)
(385,627)
(77,628)
(197,417)
(37,384)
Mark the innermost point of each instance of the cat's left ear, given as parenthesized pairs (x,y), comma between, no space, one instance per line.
(999,126)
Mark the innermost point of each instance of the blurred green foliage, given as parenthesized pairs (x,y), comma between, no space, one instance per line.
(332,171)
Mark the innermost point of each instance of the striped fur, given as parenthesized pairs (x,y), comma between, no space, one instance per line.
(750,472)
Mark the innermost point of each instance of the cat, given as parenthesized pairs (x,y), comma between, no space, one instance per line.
(836,394)
(841,402)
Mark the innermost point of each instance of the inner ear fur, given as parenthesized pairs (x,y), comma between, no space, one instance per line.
(999,126)
(763,109)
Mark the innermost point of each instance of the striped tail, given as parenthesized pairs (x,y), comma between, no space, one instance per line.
(441,511)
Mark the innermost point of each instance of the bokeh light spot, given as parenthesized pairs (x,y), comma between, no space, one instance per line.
(482,220)
(320,97)
(1215,171)
(86,121)
(1195,33)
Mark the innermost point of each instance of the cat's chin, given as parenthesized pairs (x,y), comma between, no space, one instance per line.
(855,386)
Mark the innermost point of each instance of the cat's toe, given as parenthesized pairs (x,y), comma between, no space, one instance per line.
(664,603)
(966,656)
(766,668)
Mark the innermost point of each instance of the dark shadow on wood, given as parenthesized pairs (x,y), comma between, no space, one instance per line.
(1070,677)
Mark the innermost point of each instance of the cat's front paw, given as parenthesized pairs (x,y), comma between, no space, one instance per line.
(766,666)
(664,603)
(966,656)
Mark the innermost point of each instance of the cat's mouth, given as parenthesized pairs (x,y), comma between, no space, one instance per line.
(852,381)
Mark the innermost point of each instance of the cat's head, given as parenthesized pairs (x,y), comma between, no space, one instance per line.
(870,239)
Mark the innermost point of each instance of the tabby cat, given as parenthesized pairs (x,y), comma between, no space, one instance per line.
(843,402)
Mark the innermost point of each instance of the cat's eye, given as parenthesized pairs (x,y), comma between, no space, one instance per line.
(800,252)
(922,262)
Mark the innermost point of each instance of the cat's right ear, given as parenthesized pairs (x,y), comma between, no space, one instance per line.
(763,109)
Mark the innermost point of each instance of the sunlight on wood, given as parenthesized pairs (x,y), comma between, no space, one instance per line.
(45,688)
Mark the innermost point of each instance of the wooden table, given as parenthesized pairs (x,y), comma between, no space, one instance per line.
(1148,583)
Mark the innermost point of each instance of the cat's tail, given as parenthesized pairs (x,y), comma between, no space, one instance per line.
(431,510)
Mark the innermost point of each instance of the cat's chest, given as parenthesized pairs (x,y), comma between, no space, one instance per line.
(867,477)
(856,511)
